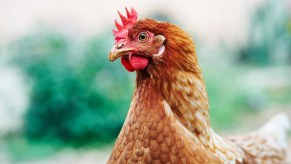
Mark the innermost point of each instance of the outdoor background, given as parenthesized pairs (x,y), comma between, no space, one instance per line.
(62,101)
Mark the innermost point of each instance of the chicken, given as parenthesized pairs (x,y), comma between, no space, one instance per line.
(168,119)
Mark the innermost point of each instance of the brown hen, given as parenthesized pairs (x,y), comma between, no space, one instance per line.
(168,119)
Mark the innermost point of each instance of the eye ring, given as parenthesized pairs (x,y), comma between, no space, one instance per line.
(143,37)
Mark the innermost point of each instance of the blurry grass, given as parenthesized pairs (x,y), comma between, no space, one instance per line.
(20,149)
(281,96)
(232,99)
(75,91)
(227,96)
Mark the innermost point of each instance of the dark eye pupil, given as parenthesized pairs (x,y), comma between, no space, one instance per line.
(142,36)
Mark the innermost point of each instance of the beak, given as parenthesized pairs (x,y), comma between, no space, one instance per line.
(115,53)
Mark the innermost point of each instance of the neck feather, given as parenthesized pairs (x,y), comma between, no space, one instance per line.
(177,78)
(185,102)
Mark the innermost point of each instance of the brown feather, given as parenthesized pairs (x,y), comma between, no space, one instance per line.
(168,119)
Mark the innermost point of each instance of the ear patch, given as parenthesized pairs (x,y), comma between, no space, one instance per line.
(160,52)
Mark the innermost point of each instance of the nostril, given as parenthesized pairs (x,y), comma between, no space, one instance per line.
(120,45)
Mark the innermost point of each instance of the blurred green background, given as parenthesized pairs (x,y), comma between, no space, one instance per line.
(62,101)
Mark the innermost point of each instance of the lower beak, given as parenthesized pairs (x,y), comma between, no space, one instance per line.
(116,53)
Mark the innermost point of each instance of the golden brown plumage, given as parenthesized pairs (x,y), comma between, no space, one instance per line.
(168,119)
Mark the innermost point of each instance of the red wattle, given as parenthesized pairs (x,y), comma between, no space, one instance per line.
(126,64)
(138,62)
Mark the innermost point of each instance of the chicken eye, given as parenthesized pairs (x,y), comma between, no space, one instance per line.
(143,37)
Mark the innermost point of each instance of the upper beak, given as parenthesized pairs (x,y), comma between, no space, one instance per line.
(115,53)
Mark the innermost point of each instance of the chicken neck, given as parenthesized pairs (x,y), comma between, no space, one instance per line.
(184,100)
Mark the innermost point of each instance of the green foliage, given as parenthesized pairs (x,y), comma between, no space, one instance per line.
(227,98)
(279,96)
(269,41)
(20,149)
(76,96)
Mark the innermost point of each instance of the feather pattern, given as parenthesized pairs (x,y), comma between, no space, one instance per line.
(168,119)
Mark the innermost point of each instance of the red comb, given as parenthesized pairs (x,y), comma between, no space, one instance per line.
(127,22)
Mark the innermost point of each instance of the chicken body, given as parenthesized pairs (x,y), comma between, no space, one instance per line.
(151,135)
(168,119)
